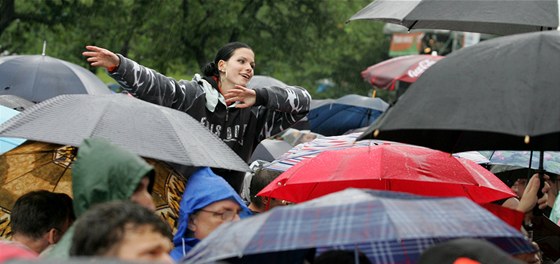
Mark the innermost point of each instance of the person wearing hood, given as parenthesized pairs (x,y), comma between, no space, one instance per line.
(101,173)
(208,202)
(219,98)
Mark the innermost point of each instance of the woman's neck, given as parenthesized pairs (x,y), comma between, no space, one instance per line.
(224,87)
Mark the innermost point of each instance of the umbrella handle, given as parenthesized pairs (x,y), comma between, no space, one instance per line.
(536,210)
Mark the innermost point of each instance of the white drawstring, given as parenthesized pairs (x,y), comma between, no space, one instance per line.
(184,252)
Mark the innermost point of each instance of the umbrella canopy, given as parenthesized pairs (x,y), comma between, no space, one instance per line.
(295,136)
(386,74)
(15,102)
(40,77)
(388,227)
(488,16)
(269,150)
(7,144)
(523,159)
(310,149)
(499,94)
(44,166)
(264,81)
(149,130)
(345,113)
(401,168)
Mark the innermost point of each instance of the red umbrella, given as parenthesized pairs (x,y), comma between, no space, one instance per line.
(385,74)
(401,168)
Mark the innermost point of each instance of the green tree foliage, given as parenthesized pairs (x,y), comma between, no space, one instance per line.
(296,41)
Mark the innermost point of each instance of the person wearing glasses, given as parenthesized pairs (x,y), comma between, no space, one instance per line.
(208,202)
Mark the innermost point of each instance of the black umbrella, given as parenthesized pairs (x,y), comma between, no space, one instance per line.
(149,130)
(40,77)
(484,16)
(499,94)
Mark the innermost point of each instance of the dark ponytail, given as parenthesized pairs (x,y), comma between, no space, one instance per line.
(211,68)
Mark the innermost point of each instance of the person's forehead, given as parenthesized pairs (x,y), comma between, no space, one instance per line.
(143,237)
(245,53)
(223,204)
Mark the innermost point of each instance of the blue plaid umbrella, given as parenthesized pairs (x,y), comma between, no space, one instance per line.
(389,227)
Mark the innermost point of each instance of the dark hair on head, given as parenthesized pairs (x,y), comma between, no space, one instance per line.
(103,226)
(211,69)
(36,212)
(261,179)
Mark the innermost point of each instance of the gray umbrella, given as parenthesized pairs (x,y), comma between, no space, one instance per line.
(264,81)
(15,102)
(270,149)
(501,17)
(39,77)
(146,129)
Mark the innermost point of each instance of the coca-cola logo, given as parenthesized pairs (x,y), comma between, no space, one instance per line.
(422,66)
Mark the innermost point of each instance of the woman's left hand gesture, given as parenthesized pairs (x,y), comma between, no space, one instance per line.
(241,96)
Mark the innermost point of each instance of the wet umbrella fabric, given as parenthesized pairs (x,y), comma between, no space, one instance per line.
(345,113)
(551,162)
(43,166)
(387,73)
(40,77)
(15,102)
(491,16)
(402,168)
(264,81)
(269,150)
(309,150)
(146,129)
(388,227)
(498,94)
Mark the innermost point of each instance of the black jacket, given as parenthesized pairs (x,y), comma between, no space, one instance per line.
(276,108)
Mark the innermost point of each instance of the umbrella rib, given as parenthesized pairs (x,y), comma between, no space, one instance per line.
(35,75)
(100,117)
(61,175)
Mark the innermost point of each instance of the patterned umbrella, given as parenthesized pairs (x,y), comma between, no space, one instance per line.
(43,166)
(311,149)
(388,227)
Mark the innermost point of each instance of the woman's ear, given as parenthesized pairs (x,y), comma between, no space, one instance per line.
(222,66)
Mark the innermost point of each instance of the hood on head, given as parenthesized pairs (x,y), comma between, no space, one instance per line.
(203,188)
(104,172)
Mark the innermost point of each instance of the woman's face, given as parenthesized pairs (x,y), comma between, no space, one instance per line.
(239,69)
(210,217)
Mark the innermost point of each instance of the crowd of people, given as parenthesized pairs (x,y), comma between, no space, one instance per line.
(111,214)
